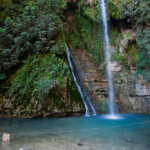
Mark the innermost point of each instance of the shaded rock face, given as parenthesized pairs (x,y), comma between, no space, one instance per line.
(92,81)
(132,95)
(59,106)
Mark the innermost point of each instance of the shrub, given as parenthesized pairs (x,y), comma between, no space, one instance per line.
(32,32)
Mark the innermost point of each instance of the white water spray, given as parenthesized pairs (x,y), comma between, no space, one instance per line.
(108,59)
(83,94)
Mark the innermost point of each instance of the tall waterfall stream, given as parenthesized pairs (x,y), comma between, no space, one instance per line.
(85,98)
(108,59)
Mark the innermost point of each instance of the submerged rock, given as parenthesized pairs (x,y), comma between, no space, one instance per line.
(22,148)
(79,144)
(129,140)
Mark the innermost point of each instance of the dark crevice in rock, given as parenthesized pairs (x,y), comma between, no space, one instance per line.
(120,24)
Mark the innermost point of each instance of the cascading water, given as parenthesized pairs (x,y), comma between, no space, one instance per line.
(108,59)
(82,93)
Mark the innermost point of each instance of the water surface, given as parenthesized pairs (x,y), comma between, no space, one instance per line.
(132,132)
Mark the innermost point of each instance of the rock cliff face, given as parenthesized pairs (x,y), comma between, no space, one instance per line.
(132,94)
(61,103)
(82,35)
(92,80)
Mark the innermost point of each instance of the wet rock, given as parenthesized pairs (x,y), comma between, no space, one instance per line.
(79,144)
(129,140)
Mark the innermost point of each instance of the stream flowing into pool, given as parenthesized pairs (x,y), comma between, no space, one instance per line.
(103,12)
(78,133)
(83,93)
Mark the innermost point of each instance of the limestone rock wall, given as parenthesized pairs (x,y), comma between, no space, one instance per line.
(132,95)
(61,103)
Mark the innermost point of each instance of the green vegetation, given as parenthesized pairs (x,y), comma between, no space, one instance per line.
(133,52)
(144,57)
(120,8)
(38,76)
(11,8)
(33,32)
(130,55)
(90,10)
(33,56)
(137,14)
(140,17)
(84,35)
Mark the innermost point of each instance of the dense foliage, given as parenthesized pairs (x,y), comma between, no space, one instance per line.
(90,9)
(140,18)
(84,35)
(33,55)
(11,8)
(137,14)
(32,32)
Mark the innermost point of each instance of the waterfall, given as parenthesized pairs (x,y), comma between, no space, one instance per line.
(83,93)
(108,58)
